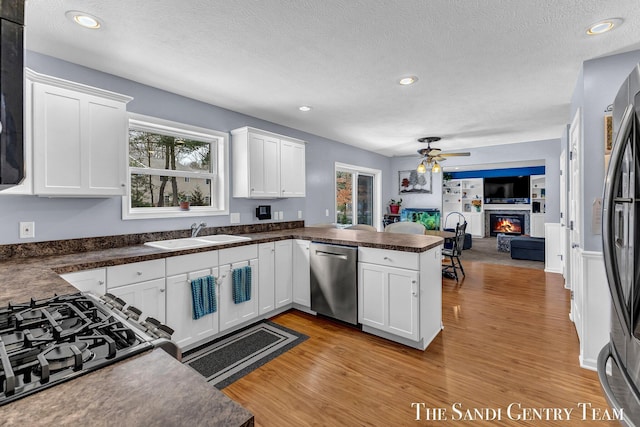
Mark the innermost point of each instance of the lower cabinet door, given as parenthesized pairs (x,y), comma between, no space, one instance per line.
(188,330)
(266,278)
(389,299)
(301,273)
(146,296)
(232,314)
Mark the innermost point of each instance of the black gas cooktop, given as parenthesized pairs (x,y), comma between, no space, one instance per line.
(45,342)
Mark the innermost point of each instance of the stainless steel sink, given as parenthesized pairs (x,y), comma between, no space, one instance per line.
(196,242)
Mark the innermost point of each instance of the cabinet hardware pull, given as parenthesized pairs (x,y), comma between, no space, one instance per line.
(100,282)
(387,258)
(139,273)
(161,290)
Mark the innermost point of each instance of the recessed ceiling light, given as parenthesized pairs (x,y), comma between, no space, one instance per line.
(304,108)
(603,26)
(409,80)
(84,19)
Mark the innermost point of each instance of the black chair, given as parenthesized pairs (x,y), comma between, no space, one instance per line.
(454,252)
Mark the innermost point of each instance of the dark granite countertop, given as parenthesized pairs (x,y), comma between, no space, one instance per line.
(152,389)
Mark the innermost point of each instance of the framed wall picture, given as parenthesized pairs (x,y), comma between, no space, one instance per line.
(412,182)
(608,133)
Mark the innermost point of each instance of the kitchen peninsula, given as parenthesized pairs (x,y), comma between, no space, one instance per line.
(150,374)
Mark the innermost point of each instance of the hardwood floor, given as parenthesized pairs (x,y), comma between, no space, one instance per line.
(507,340)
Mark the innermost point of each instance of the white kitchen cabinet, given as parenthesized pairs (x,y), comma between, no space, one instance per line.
(141,284)
(93,281)
(266,278)
(301,273)
(389,299)
(232,314)
(79,136)
(181,270)
(283,272)
(267,165)
(292,160)
(400,294)
(149,297)
(135,272)
(188,330)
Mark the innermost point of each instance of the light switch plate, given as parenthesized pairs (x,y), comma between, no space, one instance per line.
(27,230)
(234,218)
(280,215)
(299,214)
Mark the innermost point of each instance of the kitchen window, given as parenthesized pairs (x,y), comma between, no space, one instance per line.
(170,162)
(358,195)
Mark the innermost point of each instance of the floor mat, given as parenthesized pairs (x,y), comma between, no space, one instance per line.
(233,357)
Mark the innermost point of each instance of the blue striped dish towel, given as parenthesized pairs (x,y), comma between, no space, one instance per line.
(241,278)
(203,295)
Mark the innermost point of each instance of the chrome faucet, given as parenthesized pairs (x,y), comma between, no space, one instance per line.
(195,228)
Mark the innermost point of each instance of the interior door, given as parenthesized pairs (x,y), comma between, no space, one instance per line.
(575,199)
(563,214)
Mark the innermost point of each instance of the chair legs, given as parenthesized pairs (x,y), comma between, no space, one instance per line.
(452,270)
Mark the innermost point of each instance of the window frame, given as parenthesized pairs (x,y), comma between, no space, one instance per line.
(219,174)
(377,191)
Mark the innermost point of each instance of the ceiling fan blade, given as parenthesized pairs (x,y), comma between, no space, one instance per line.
(455,154)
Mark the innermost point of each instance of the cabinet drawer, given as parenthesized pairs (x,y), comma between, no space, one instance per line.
(192,262)
(237,254)
(136,272)
(408,260)
(88,280)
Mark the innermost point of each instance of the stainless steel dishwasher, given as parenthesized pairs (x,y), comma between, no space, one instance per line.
(334,284)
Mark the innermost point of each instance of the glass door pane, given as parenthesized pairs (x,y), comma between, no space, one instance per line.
(365,199)
(344,197)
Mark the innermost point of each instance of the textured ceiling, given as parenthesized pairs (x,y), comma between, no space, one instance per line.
(490,71)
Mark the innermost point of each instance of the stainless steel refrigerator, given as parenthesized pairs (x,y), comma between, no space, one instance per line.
(619,360)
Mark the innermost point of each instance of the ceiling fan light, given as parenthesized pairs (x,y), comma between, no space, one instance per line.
(436,168)
(421,168)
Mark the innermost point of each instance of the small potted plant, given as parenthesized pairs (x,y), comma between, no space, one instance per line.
(394,206)
(184,203)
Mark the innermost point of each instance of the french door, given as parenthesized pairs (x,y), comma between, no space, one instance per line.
(358,194)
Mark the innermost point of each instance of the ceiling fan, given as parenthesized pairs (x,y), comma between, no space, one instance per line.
(431,156)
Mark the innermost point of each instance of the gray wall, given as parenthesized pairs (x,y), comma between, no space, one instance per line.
(546,152)
(597,86)
(64,218)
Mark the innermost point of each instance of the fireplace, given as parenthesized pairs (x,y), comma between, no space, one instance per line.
(507,223)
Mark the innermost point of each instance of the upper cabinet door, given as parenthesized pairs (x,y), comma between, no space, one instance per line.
(292,158)
(79,140)
(267,165)
(264,165)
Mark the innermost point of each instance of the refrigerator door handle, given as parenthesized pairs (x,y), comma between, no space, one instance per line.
(609,212)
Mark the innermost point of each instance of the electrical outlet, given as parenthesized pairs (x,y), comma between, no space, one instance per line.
(326,212)
(299,214)
(27,230)
(280,215)
(234,218)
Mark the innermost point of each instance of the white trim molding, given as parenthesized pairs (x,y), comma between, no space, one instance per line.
(594,303)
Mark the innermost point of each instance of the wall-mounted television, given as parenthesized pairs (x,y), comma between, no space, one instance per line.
(507,190)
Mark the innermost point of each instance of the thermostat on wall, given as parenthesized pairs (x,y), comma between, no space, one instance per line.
(263,212)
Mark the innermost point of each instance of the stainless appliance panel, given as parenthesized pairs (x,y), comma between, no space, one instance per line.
(620,238)
(334,286)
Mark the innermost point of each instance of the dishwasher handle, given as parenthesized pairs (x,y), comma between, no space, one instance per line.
(330,254)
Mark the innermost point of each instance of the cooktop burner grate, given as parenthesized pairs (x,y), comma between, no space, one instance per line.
(45,342)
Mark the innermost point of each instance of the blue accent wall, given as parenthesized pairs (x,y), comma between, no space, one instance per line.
(491,173)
